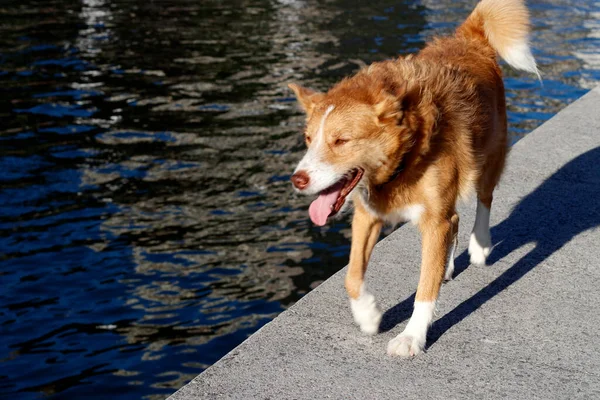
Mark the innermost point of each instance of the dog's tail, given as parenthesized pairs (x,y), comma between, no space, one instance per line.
(504,25)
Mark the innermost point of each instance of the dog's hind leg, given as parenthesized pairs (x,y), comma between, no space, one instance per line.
(480,243)
(365,232)
(453,246)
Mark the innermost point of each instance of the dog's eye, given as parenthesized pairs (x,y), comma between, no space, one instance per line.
(307,138)
(340,142)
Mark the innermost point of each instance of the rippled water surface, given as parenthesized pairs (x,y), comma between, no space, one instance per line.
(147,225)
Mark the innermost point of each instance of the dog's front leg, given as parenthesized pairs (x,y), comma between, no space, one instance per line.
(365,232)
(437,234)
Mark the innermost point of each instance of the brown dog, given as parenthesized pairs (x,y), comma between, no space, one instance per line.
(405,139)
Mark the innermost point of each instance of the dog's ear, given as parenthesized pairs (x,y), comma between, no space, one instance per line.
(389,105)
(306,97)
(388,109)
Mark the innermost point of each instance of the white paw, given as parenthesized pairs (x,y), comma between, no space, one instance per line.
(479,251)
(405,345)
(365,312)
(449,270)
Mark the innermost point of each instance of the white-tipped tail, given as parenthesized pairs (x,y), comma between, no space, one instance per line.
(505,24)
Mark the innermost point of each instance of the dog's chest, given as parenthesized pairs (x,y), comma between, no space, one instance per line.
(411,213)
(408,213)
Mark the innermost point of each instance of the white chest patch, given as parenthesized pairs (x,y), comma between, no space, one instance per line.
(411,213)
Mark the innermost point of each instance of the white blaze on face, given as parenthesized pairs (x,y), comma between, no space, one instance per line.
(321,174)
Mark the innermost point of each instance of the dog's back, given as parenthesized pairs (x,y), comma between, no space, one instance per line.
(494,27)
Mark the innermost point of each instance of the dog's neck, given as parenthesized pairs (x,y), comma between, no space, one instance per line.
(399,168)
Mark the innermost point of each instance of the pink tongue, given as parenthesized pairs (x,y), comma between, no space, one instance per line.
(320,209)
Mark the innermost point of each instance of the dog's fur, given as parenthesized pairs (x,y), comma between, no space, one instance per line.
(423,131)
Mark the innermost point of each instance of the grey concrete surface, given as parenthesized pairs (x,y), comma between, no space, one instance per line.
(526,326)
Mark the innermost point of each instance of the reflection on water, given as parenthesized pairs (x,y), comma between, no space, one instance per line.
(147,225)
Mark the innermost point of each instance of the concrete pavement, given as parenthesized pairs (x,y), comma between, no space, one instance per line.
(525,326)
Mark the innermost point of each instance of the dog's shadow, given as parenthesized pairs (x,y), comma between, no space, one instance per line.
(563,206)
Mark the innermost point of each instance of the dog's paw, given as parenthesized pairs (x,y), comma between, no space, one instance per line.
(366,314)
(405,345)
(448,275)
(479,252)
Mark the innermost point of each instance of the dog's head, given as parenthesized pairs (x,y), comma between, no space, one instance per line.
(356,135)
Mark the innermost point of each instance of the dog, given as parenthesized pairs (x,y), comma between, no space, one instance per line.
(405,139)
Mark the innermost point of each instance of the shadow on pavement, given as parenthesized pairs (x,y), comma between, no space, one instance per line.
(554,213)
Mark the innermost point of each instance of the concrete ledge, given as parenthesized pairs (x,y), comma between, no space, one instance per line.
(526,326)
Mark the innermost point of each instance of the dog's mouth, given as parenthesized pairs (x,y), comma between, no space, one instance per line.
(331,200)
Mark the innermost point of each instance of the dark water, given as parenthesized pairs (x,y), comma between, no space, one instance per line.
(147,225)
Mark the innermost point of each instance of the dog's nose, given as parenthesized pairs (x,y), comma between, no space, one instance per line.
(300,180)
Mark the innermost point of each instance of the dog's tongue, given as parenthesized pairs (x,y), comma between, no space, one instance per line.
(320,209)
